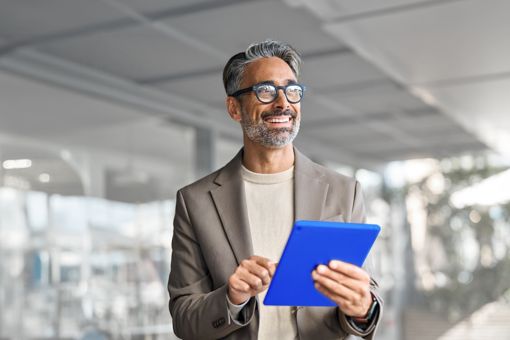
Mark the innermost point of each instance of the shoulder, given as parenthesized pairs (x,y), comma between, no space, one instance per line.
(323,173)
(332,175)
(221,176)
(338,182)
(202,185)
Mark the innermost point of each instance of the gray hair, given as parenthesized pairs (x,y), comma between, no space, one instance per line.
(234,69)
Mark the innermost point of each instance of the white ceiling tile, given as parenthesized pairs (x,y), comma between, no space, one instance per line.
(482,108)
(204,89)
(152,6)
(22,19)
(314,108)
(233,28)
(385,97)
(137,52)
(338,69)
(35,109)
(150,138)
(457,39)
(334,9)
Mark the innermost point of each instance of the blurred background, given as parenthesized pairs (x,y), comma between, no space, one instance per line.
(107,107)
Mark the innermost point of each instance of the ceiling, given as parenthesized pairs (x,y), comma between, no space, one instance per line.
(388,80)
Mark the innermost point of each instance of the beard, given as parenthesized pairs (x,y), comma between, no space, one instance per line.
(259,133)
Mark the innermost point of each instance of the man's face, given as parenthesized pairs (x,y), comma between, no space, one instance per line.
(272,125)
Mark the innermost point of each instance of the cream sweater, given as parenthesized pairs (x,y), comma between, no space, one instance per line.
(270,203)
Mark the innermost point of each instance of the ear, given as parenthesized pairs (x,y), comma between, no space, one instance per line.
(233,108)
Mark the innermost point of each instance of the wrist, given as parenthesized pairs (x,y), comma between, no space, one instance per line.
(372,309)
(236,300)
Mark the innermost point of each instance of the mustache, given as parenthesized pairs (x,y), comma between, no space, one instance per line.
(277,113)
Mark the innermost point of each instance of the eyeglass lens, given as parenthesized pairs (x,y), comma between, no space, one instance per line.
(267,93)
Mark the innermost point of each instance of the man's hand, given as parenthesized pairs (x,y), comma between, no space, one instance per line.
(346,284)
(250,278)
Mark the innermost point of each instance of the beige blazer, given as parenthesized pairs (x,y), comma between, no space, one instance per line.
(212,236)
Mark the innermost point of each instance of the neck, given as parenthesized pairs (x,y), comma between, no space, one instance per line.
(264,160)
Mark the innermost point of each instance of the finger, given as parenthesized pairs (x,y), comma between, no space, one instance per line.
(359,298)
(359,286)
(332,274)
(255,269)
(329,294)
(272,268)
(350,270)
(333,286)
(238,285)
(264,262)
(256,283)
(345,305)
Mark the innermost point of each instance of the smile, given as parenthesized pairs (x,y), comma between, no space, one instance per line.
(285,119)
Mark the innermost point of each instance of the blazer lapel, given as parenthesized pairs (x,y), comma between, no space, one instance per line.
(310,189)
(230,202)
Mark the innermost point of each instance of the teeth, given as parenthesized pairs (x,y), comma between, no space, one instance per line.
(278,120)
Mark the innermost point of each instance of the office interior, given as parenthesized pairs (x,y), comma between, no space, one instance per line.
(107,107)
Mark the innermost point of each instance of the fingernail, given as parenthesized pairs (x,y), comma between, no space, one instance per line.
(333,264)
(321,269)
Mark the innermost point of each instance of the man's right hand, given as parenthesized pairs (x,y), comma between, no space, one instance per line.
(251,277)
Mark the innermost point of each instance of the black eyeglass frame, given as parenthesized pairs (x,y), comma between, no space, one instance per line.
(277,88)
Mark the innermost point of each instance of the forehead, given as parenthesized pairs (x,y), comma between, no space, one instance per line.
(272,68)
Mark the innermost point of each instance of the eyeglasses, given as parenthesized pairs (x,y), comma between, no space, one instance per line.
(267,93)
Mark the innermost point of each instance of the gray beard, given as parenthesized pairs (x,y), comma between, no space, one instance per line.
(274,138)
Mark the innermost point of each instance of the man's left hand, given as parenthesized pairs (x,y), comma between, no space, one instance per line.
(346,284)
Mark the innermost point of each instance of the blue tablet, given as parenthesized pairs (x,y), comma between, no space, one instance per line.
(312,243)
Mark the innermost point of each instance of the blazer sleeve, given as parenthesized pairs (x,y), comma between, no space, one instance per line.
(198,311)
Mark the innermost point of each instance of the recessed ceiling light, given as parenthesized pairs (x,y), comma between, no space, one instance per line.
(44,178)
(17,164)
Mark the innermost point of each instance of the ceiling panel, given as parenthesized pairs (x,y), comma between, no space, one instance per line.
(35,109)
(314,108)
(207,89)
(136,53)
(483,108)
(232,28)
(375,144)
(439,42)
(429,127)
(152,6)
(489,101)
(335,70)
(386,97)
(441,149)
(150,138)
(23,19)
(354,133)
(335,9)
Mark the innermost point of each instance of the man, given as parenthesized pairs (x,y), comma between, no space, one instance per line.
(230,227)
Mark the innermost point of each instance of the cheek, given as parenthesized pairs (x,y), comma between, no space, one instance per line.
(297,109)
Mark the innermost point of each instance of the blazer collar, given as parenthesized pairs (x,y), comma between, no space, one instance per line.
(229,198)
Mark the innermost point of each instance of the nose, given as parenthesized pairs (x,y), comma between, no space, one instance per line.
(281,100)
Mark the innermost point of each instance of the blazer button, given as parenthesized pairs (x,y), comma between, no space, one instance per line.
(218,323)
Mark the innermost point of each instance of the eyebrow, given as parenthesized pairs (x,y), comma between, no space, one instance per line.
(271,82)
